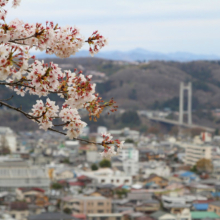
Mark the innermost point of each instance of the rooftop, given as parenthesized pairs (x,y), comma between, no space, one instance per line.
(51,216)
(203,215)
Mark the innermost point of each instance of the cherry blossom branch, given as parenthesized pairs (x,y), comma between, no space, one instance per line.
(36,119)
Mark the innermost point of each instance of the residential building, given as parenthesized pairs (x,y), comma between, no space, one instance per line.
(153,179)
(160,215)
(147,206)
(51,216)
(87,204)
(183,214)
(175,204)
(155,167)
(150,154)
(63,173)
(196,152)
(139,195)
(188,177)
(214,207)
(105,216)
(129,152)
(130,167)
(195,215)
(18,210)
(18,174)
(109,176)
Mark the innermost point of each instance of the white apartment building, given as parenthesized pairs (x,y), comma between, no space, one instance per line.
(15,174)
(109,176)
(157,167)
(196,152)
(130,167)
(129,152)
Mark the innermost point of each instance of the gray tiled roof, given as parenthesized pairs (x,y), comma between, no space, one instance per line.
(51,216)
(216,203)
(158,214)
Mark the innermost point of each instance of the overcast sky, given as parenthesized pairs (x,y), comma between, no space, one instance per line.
(155,25)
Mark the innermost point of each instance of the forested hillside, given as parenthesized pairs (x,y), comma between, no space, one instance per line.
(139,86)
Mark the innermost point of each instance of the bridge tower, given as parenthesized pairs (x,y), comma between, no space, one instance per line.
(188,88)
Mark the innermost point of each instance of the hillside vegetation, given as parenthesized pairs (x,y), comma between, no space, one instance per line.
(153,85)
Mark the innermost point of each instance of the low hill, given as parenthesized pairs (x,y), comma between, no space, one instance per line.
(153,85)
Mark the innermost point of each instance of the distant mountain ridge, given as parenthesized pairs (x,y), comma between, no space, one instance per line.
(140,54)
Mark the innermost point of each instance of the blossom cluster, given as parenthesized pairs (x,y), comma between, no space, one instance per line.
(96,42)
(13,61)
(23,73)
(44,77)
(45,113)
(15,3)
(80,90)
(74,125)
(109,147)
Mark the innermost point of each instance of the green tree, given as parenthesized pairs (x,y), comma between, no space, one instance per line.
(194,169)
(128,140)
(94,167)
(130,118)
(67,211)
(105,163)
(56,186)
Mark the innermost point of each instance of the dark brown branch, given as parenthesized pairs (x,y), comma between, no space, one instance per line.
(34,35)
(36,119)
(31,87)
(7,99)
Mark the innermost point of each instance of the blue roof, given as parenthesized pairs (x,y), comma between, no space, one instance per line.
(215,194)
(187,173)
(125,187)
(201,206)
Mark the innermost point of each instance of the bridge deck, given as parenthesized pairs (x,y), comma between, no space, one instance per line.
(168,121)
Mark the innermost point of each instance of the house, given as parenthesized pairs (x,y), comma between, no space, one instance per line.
(106,190)
(198,188)
(214,207)
(109,176)
(175,204)
(34,196)
(19,174)
(87,204)
(200,206)
(18,210)
(155,179)
(129,152)
(75,186)
(139,195)
(150,154)
(147,206)
(183,214)
(189,177)
(160,215)
(5,216)
(158,168)
(63,173)
(130,167)
(176,189)
(195,215)
(51,216)
(106,216)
